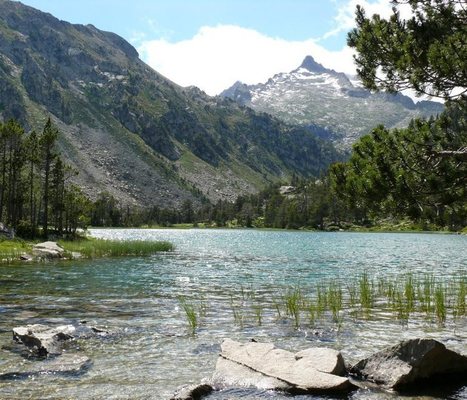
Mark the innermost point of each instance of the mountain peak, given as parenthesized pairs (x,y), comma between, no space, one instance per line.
(311,65)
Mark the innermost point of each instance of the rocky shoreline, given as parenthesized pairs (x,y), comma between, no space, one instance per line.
(410,366)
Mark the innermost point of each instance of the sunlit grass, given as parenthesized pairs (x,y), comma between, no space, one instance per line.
(11,250)
(96,248)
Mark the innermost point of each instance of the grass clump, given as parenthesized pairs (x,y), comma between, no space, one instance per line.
(366,293)
(293,300)
(190,313)
(440,303)
(460,308)
(96,248)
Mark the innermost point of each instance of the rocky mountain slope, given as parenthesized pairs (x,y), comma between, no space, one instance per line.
(132,132)
(315,96)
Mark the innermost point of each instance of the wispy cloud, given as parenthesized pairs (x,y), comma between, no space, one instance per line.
(218,56)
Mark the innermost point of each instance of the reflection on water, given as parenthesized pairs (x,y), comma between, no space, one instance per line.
(151,352)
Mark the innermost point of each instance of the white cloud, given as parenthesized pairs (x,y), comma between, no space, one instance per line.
(218,56)
(345,17)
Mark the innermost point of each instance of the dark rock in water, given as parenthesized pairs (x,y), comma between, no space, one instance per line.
(83,330)
(65,364)
(263,366)
(406,364)
(42,339)
(194,392)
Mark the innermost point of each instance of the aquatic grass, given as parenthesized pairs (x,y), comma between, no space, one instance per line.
(400,306)
(425,294)
(311,312)
(334,296)
(190,314)
(237,313)
(293,300)
(258,311)
(409,291)
(460,308)
(321,302)
(366,293)
(277,307)
(406,297)
(96,248)
(440,303)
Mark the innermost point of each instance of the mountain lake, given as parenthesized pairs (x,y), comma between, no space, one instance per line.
(237,282)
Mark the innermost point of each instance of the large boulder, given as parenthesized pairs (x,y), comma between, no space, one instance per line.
(48,250)
(410,362)
(42,339)
(263,366)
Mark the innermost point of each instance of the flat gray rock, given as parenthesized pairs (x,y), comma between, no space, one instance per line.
(409,362)
(231,374)
(322,359)
(48,250)
(43,339)
(293,372)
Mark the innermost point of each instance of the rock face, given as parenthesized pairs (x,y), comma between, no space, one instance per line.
(409,362)
(263,366)
(42,339)
(329,103)
(48,250)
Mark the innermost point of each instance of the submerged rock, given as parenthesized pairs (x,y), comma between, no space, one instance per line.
(42,339)
(409,362)
(263,366)
(193,392)
(64,364)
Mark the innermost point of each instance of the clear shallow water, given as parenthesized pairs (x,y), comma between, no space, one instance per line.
(152,352)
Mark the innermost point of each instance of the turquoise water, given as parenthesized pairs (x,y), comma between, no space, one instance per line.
(151,351)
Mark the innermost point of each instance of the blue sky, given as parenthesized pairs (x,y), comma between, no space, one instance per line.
(225,40)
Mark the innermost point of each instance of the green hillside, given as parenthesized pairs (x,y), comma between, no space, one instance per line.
(132,132)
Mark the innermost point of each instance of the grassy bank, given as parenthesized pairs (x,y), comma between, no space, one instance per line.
(97,248)
(12,250)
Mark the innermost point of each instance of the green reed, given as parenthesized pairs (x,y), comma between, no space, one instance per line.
(237,312)
(409,291)
(440,303)
(335,300)
(190,314)
(258,312)
(293,300)
(460,308)
(366,293)
(321,302)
